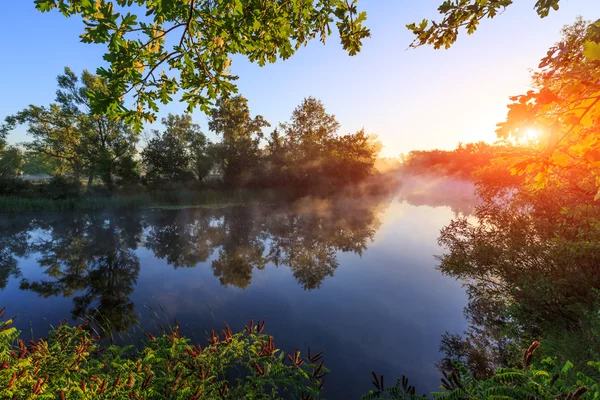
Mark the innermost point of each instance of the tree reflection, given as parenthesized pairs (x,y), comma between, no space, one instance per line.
(307,236)
(90,258)
(183,238)
(13,244)
(242,247)
(531,266)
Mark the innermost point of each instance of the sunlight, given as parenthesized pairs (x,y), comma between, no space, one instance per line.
(532,134)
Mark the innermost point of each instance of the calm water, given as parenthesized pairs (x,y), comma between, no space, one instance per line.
(354,276)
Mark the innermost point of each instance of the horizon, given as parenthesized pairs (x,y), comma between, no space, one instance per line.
(486,69)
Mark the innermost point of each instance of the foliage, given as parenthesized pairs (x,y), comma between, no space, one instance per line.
(77,141)
(308,152)
(57,188)
(71,363)
(238,154)
(11,162)
(128,169)
(304,153)
(529,263)
(60,188)
(545,380)
(564,106)
(461,162)
(38,163)
(155,48)
(180,153)
(465,14)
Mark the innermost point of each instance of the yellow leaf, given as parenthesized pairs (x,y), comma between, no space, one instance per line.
(592,50)
(560,159)
(584,144)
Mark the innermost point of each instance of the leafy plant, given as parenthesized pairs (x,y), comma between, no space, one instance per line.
(72,364)
(546,381)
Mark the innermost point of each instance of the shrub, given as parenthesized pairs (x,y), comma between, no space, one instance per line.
(71,364)
(14,187)
(61,187)
(547,380)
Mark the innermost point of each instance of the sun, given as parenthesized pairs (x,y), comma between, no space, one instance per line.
(532,134)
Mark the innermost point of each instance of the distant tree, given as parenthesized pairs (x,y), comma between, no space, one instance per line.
(195,39)
(461,162)
(128,169)
(181,152)
(80,142)
(166,158)
(311,153)
(238,152)
(307,134)
(11,162)
(351,158)
(276,168)
(38,163)
(465,14)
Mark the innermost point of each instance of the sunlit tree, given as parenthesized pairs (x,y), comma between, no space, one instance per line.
(564,107)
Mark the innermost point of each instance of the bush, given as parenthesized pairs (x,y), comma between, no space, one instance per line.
(15,187)
(71,364)
(547,380)
(61,188)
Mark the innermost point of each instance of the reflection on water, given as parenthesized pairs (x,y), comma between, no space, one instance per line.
(354,276)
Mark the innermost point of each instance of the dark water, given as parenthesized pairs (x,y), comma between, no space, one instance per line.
(353,276)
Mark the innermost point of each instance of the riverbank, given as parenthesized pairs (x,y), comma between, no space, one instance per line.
(142,197)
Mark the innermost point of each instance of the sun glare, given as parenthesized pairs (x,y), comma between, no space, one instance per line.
(531,134)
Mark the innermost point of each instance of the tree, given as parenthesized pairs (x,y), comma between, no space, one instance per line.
(239,151)
(351,158)
(11,162)
(38,163)
(306,136)
(467,14)
(179,153)
(195,39)
(67,131)
(564,107)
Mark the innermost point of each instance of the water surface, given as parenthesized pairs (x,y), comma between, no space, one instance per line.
(353,276)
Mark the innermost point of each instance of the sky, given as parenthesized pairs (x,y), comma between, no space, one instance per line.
(411,98)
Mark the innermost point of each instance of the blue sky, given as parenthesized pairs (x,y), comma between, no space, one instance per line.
(413,99)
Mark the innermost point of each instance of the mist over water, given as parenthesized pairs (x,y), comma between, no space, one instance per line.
(353,276)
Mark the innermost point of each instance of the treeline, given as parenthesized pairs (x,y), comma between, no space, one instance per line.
(459,163)
(71,144)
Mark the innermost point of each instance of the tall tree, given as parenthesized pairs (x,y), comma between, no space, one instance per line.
(80,142)
(239,151)
(11,162)
(179,153)
(307,133)
(188,44)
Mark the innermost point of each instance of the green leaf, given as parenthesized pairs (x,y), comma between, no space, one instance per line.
(592,50)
